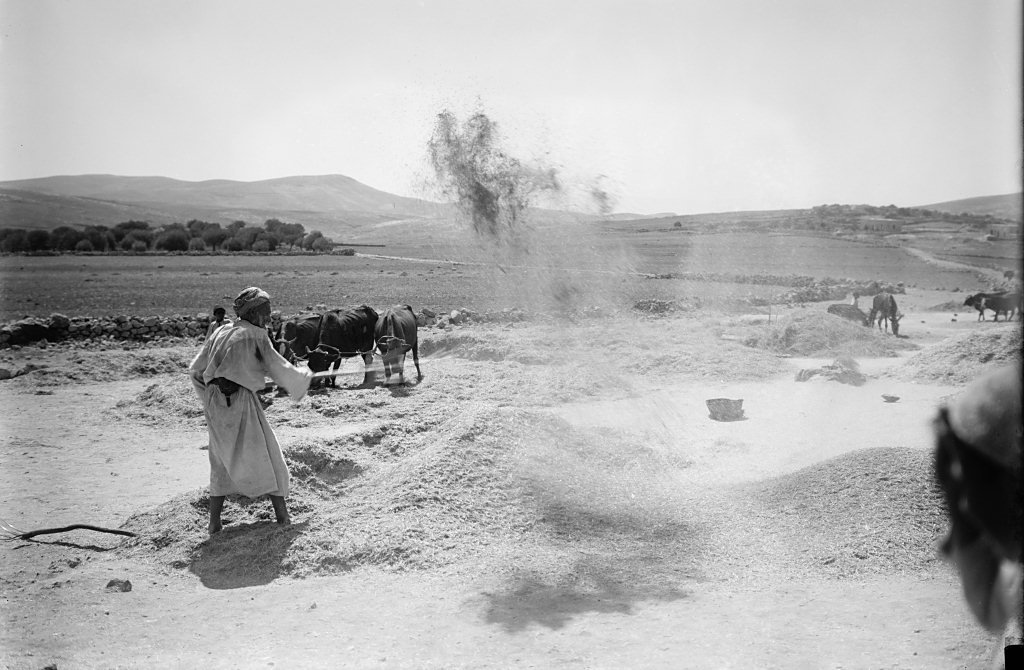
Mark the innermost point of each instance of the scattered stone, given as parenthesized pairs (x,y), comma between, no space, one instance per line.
(652,306)
(836,372)
(725,409)
(119,586)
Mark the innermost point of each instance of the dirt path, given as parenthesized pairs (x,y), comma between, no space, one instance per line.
(67,457)
(988,274)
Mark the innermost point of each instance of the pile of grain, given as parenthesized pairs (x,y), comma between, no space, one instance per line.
(172,403)
(397,501)
(959,360)
(65,365)
(820,334)
(871,511)
(509,487)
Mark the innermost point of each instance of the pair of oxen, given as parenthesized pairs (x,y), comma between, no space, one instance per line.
(1000,302)
(324,340)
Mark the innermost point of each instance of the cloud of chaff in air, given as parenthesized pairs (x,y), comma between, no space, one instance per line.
(604,200)
(491,187)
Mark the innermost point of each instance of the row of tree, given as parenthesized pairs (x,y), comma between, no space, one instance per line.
(894,212)
(139,236)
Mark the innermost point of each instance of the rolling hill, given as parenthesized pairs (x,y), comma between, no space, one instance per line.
(336,205)
(323,193)
(1007,206)
(333,204)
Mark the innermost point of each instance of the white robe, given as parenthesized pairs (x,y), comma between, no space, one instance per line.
(245,456)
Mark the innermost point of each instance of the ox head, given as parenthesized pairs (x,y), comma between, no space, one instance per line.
(389,344)
(894,321)
(288,330)
(323,357)
(280,345)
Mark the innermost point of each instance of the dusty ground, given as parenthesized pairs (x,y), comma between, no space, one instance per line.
(520,507)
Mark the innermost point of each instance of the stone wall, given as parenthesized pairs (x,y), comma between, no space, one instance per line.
(58,327)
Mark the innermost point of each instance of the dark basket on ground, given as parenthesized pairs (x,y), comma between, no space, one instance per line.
(725,409)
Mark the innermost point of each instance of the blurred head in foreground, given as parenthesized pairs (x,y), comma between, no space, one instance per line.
(978,466)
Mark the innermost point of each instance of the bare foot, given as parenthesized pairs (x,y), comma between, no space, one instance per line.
(284,521)
(215,528)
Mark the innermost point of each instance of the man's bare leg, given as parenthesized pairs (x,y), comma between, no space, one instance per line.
(216,505)
(280,510)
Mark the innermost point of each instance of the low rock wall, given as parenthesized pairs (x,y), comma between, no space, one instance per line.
(58,327)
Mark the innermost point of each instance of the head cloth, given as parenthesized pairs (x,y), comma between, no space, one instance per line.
(250,299)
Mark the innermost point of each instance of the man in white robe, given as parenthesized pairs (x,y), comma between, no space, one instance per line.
(245,456)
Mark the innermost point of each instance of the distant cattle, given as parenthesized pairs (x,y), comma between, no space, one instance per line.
(979,302)
(344,334)
(1007,305)
(883,308)
(978,469)
(395,335)
(851,312)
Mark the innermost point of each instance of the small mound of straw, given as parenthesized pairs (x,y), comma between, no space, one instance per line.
(870,511)
(959,360)
(819,334)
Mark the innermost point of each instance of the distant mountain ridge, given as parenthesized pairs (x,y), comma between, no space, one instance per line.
(330,203)
(335,204)
(298,193)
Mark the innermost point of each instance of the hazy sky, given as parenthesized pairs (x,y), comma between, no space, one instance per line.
(675,105)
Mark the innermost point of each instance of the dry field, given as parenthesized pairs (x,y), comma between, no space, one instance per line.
(552,494)
(610,269)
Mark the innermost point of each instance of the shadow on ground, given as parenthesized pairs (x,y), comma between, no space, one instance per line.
(530,598)
(249,554)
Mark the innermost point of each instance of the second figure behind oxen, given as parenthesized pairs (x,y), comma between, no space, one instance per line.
(324,340)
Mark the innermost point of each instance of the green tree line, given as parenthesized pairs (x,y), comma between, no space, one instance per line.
(139,237)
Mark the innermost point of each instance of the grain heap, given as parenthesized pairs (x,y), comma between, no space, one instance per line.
(961,359)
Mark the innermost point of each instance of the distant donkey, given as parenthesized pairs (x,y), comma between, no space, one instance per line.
(884,308)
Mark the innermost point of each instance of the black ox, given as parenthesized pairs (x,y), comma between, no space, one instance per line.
(395,335)
(298,336)
(339,334)
(999,302)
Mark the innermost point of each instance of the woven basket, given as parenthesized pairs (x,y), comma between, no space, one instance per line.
(725,409)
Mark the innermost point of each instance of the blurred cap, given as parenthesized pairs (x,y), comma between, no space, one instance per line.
(986,416)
